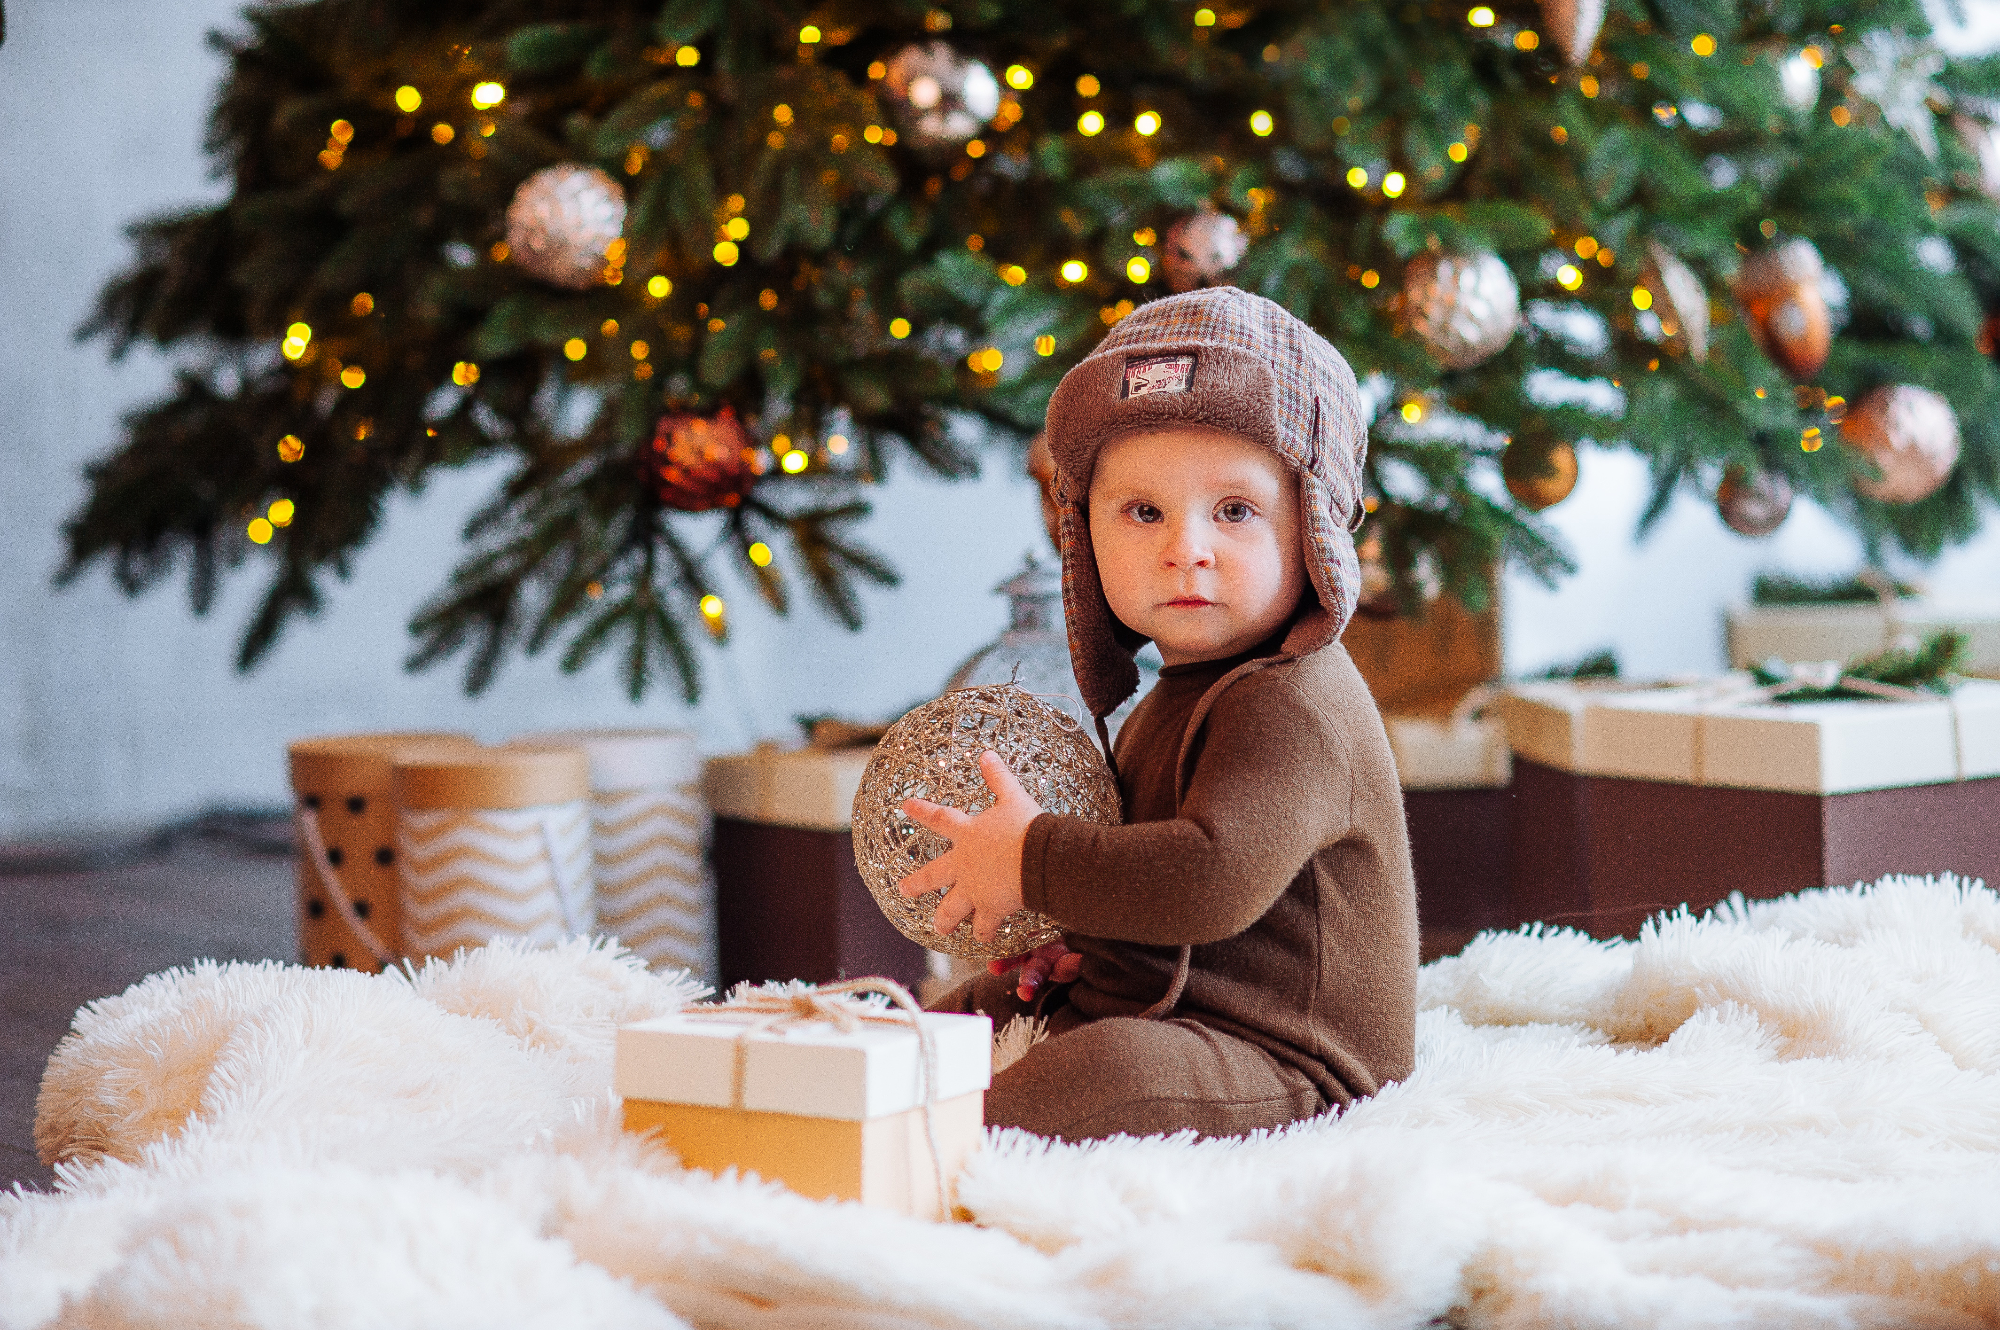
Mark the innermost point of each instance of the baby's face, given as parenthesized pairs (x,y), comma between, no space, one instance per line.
(1197,540)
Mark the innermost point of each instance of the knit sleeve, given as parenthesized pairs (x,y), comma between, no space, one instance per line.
(1272,785)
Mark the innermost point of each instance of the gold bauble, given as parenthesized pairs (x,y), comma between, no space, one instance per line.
(1539,474)
(1785,307)
(1910,434)
(1753,506)
(933,753)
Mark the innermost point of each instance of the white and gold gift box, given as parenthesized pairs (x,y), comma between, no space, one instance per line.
(649,834)
(832,1114)
(1847,633)
(1698,735)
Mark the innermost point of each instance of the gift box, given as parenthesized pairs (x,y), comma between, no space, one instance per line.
(1629,801)
(789,902)
(649,835)
(833,1114)
(1455,774)
(1851,631)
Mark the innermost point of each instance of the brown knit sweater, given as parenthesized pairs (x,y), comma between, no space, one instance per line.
(1285,863)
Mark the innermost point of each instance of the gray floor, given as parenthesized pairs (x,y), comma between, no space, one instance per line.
(83,922)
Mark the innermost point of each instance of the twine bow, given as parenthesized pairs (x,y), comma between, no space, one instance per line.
(765,1011)
(1817,677)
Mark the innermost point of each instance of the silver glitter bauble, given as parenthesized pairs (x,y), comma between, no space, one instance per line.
(1910,434)
(940,96)
(562,222)
(1575,25)
(1756,505)
(1679,302)
(933,753)
(1464,306)
(1200,248)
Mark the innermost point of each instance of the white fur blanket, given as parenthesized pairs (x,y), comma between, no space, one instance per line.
(1784,1114)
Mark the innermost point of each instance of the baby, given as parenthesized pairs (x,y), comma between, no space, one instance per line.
(1244,948)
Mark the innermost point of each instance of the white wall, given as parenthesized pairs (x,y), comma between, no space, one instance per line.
(117,713)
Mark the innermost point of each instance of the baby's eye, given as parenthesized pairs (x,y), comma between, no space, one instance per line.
(1144,512)
(1235,510)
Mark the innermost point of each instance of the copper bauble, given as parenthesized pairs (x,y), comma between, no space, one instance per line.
(702,462)
(563,222)
(933,753)
(1753,505)
(1539,474)
(1910,434)
(1574,24)
(940,96)
(1464,306)
(1678,299)
(1784,305)
(1200,248)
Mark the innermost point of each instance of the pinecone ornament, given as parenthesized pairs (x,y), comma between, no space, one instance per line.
(563,222)
(702,462)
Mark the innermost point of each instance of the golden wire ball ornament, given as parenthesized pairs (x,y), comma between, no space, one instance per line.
(933,753)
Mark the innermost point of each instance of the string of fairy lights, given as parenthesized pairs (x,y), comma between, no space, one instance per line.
(1385,181)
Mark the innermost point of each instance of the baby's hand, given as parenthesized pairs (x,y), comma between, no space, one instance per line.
(980,875)
(1052,961)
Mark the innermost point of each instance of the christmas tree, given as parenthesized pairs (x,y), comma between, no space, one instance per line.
(703,271)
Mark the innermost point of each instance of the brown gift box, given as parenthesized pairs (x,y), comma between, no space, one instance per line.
(1631,801)
(789,902)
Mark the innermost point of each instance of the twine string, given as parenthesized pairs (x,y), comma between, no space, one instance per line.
(1815,676)
(763,1011)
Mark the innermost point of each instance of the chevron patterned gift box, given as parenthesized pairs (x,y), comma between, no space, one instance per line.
(650,831)
(494,843)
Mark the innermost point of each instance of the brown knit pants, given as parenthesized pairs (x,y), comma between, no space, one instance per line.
(1092,1079)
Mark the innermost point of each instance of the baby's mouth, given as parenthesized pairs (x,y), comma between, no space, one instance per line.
(1188,603)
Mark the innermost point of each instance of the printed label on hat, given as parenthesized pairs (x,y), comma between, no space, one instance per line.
(1158,374)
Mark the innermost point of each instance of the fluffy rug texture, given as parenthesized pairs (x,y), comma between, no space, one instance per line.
(1781,1114)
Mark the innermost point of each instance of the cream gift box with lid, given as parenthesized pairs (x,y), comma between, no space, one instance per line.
(649,832)
(833,1114)
(1850,631)
(1629,800)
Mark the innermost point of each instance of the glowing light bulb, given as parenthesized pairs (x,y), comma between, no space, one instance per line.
(899,328)
(1480,16)
(1045,345)
(354,376)
(1641,298)
(1357,177)
(260,530)
(1138,269)
(658,287)
(794,461)
(1090,123)
(808,35)
(1147,123)
(726,253)
(687,57)
(291,448)
(1261,123)
(1075,270)
(282,511)
(1703,45)
(1204,18)
(488,95)
(576,348)
(465,373)
(1020,78)
(760,554)
(1393,183)
(1569,277)
(408,99)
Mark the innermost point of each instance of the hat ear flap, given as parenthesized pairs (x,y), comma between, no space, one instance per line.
(1100,648)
